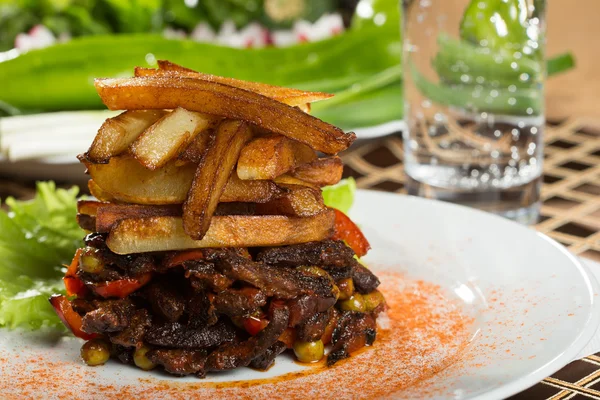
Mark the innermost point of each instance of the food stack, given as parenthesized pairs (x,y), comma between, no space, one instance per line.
(210,247)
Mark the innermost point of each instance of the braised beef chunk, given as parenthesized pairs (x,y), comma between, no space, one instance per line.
(96,240)
(353,331)
(123,354)
(239,302)
(179,361)
(339,273)
(313,328)
(282,283)
(133,334)
(333,253)
(201,311)
(364,280)
(203,275)
(108,273)
(166,300)
(109,316)
(264,361)
(234,355)
(82,306)
(86,222)
(176,335)
(304,307)
(131,264)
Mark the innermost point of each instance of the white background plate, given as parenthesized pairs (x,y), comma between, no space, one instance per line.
(535,306)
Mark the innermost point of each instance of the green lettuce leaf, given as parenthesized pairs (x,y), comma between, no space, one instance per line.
(340,195)
(37,237)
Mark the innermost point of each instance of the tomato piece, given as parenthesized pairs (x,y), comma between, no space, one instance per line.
(122,287)
(69,317)
(347,231)
(183,256)
(73,284)
(253,325)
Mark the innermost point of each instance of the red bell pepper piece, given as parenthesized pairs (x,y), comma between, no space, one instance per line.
(68,316)
(73,284)
(122,287)
(347,230)
(253,324)
(183,256)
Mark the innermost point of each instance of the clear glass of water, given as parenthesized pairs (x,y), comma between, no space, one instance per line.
(474,102)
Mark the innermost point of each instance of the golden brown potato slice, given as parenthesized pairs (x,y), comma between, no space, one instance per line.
(321,172)
(271,156)
(300,201)
(293,97)
(287,179)
(124,179)
(212,175)
(196,150)
(238,190)
(165,92)
(98,192)
(116,134)
(109,214)
(166,138)
(166,233)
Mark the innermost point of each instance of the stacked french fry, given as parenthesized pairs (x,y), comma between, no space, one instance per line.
(210,246)
(204,161)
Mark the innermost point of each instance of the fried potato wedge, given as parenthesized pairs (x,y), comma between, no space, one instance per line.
(109,214)
(165,92)
(116,134)
(238,190)
(286,179)
(123,179)
(301,201)
(271,156)
(195,151)
(166,233)
(168,137)
(88,207)
(321,172)
(99,193)
(212,175)
(128,181)
(292,97)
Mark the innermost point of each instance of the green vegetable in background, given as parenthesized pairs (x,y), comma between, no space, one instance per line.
(500,25)
(36,238)
(340,195)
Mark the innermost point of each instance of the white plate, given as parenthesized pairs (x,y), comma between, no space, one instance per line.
(531,305)
(45,146)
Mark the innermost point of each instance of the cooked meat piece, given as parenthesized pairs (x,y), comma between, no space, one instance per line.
(124,354)
(176,335)
(265,360)
(230,355)
(353,331)
(131,264)
(133,335)
(339,273)
(107,274)
(282,283)
(313,328)
(201,311)
(364,280)
(82,306)
(239,302)
(333,253)
(203,275)
(304,307)
(180,362)
(166,300)
(109,316)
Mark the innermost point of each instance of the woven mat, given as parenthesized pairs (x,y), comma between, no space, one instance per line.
(570,214)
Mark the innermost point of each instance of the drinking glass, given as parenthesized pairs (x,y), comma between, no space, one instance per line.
(474,102)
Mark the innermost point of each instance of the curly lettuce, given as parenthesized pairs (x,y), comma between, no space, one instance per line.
(37,237)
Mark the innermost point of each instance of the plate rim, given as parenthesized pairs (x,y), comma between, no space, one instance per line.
(563,358)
